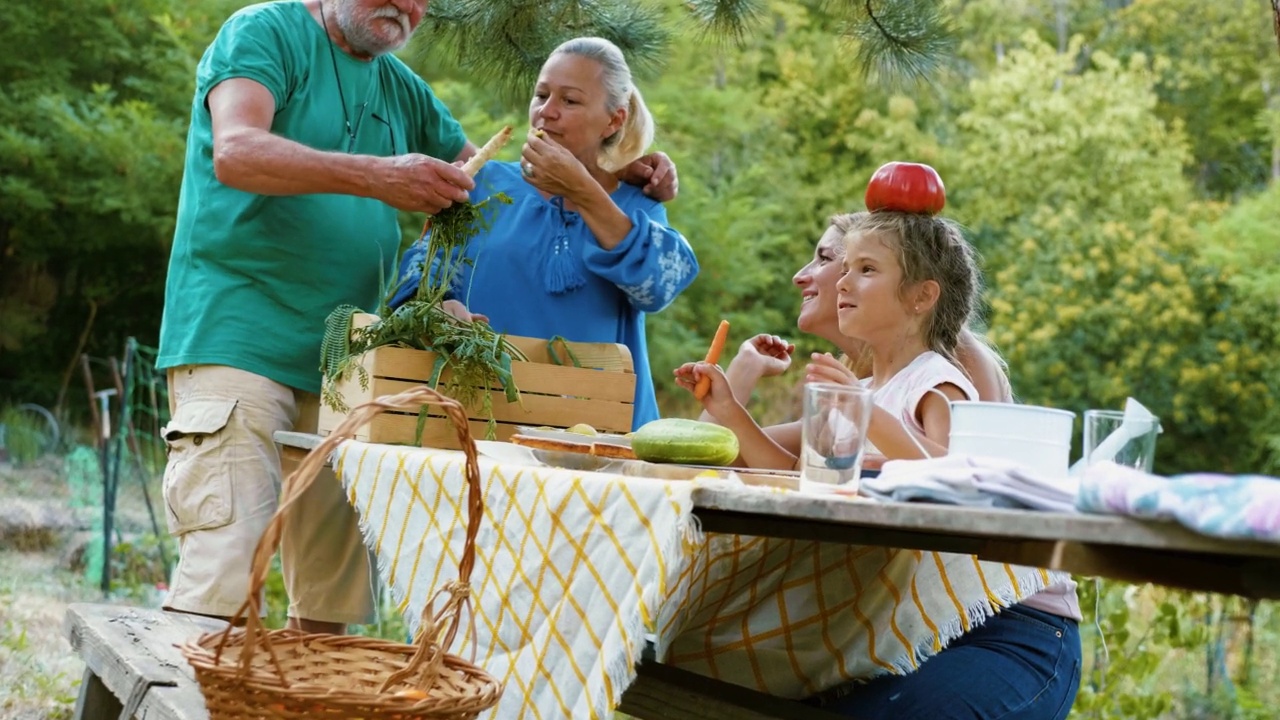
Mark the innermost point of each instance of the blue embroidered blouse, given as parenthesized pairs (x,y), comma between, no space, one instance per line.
(538,271)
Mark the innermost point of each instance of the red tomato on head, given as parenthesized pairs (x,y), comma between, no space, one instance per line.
(906,187)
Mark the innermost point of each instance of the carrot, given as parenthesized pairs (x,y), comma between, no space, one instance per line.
(713,356)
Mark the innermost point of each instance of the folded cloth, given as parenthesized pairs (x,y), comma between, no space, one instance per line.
(969,480)
(1228,506)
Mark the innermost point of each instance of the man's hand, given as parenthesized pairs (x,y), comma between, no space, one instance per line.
(655,174)
(419,183)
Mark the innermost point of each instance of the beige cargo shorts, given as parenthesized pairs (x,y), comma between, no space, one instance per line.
(222,486)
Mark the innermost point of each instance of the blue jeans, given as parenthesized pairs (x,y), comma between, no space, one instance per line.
(1022,664)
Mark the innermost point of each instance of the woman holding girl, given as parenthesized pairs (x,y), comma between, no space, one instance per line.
(900,288)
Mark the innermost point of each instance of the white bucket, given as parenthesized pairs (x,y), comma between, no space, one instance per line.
(1038,438)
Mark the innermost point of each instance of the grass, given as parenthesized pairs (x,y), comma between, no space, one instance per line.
(39,675)
(24,437)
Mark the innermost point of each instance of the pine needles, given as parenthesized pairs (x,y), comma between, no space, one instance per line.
(506,42)
(503,43)
(729,19)
(900,40)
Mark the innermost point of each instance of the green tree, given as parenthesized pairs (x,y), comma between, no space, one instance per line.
(1219,77)
(1100,288)
(93,108)
(1243,244)
(1042,135)
(1098,312)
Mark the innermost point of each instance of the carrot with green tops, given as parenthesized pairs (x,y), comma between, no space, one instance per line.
(713,356)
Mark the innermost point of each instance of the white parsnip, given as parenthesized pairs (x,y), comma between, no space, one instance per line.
(486,153)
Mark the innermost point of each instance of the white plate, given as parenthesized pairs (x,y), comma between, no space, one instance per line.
(566,436)
(505,452)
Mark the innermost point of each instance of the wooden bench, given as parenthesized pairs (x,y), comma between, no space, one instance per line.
(134,669)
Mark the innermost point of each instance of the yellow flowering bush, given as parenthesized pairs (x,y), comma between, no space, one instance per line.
(1099,312)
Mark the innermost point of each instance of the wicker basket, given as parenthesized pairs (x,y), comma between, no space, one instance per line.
(252,672)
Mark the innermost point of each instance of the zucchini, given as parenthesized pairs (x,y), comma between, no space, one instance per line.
(689,442)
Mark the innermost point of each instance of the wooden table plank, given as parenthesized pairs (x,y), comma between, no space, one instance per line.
(297,440)
(1249,576)
(132,651)
(978,522)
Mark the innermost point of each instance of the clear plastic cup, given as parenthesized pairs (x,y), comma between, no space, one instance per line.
(1109,436)
(833,431)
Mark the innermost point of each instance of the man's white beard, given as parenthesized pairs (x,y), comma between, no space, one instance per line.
(359,33)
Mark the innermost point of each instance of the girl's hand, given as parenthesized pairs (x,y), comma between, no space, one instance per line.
(769,355)
(719,400)
(873,461)
(550,168)
(825,368)
(686,376)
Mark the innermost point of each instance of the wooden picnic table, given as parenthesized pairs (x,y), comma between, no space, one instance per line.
(1108,546)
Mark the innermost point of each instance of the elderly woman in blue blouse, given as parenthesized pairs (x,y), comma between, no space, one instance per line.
(577,253)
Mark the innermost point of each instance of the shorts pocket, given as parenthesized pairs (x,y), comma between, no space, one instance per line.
(197,478)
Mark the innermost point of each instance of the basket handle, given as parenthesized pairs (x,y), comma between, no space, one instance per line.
(438,628)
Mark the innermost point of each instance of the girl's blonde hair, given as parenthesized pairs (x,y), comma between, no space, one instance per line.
(929,247)
(632,140)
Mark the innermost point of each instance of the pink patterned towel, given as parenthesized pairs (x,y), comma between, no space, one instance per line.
(1229,506)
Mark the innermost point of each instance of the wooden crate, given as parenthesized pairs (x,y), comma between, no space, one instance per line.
(600,393)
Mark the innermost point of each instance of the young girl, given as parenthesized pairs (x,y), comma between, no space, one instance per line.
(907,290)
(907,285)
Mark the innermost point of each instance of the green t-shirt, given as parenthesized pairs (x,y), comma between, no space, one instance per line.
(252,277)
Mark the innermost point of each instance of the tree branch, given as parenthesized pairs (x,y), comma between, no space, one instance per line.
(1275,8)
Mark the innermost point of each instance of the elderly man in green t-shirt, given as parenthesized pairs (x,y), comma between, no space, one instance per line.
(307,135)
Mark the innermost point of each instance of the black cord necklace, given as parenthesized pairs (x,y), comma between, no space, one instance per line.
(342,98)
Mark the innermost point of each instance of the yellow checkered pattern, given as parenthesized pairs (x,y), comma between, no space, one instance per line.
(570,567)
(575,571)
(792,617)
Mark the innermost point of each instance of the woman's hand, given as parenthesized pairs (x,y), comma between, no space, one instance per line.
(767,355)
(825,368)
(719,400)
(459,311)
(550,168)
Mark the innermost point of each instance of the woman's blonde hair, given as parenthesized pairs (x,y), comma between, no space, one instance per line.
(632,140)
(929,247)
